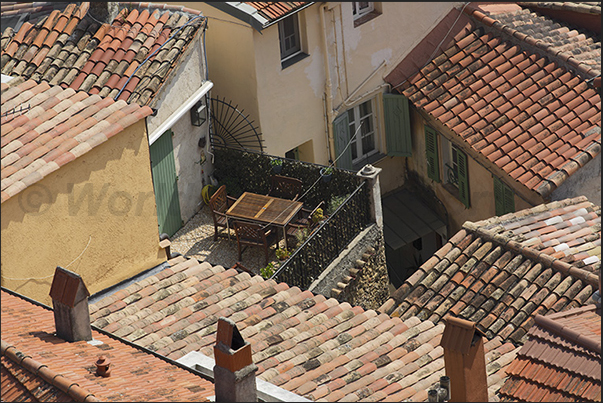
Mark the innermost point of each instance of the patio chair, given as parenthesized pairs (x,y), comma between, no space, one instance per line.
(252,234)
(285,187)
(219,204)
(303,220)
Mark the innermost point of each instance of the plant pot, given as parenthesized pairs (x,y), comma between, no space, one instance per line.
(277,169)
(325,177)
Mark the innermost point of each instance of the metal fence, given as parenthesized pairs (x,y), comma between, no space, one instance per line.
(327,241)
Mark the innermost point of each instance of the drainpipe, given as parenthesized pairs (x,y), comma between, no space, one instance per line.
(328,90)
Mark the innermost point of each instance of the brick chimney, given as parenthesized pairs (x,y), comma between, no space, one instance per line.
(464,361)
(234,372)
(70,302)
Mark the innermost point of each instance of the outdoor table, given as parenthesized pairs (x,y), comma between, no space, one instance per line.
(265,210)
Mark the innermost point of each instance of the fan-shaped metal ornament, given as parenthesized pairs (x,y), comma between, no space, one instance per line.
(231,128)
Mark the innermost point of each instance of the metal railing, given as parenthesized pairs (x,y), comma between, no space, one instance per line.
(327,241)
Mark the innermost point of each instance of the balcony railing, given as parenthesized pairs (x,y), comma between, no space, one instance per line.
(327,241)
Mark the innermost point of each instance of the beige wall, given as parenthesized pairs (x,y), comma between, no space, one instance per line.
(481,186)
(289,104)
(101,204)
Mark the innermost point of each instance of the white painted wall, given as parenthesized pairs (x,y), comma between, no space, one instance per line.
(288,104)
(189,76)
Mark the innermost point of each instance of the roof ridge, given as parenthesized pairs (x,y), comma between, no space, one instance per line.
(161,6)
(546,260)
(473,12)
(65,385)
(568,333)
(557,5)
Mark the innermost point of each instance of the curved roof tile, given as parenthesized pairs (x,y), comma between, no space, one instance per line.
(305,343)
(37,363)
(45,127)
(87,58)
(501,272)
(526,113)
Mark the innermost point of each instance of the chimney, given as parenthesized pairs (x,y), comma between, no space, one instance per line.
(70,302)
(464,361)
(103,12)
(234,372)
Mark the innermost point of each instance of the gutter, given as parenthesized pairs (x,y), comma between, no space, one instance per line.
(328,89)
(184,108)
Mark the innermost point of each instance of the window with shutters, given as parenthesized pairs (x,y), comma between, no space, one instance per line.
(431,154)
(504,198)
(455,172)
(357,140)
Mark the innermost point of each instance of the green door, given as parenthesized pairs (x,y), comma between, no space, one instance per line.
(165,183)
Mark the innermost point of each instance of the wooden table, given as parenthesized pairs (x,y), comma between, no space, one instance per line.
(265,210)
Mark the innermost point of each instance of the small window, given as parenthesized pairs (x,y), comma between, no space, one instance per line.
(455,171)
(361,8)
(364,11)
(288,30)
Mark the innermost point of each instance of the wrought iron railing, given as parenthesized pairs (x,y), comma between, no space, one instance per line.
(327,241)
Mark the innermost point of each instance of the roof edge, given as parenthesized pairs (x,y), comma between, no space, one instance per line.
(567,333)
(67,386)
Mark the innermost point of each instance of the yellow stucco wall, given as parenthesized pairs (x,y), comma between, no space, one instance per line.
(101,204)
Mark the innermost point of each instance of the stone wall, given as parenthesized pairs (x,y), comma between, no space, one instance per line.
(359,274)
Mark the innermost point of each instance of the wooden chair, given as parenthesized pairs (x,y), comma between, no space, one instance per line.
(252,234)
(219,204)
(303,220)
(285,187)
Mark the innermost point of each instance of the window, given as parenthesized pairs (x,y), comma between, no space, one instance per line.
(504,199)
(364,11)
(355,136)
(454,165)
(288,30)
(362,140)
(361,8)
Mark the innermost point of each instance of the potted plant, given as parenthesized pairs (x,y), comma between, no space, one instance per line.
(282,254)
(326,173)
(317,216)
(277,165)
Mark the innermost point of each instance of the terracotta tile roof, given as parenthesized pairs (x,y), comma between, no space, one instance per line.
(585,7)
(70,50)
(35,362)
(273,10)
(533,118)
(499,276)
(56,126)
(561,361)
(307,344)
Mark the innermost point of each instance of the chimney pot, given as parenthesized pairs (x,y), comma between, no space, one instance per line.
(103,366)
(234,372)
(432,395)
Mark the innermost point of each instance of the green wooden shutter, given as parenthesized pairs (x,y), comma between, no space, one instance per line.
(463,175)
(431,151)
(397,125)
(165,183)
(341,127)
(499,202)
(504,198)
